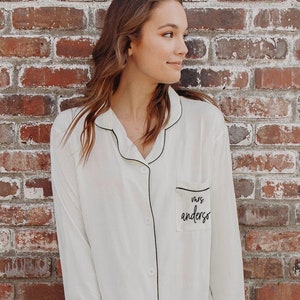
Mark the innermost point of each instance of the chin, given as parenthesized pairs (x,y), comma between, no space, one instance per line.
(171,80)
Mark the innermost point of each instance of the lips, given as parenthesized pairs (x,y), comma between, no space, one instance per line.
(176,64)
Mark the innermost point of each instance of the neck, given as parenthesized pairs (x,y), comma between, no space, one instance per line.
(131,99)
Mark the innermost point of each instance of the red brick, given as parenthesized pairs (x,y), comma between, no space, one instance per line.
(63,18)
(252,107)
(5,242)
(54,77)
(58,268)
(27,161)
(278,291)
(240,134)
(35,133)
(281,188)
(217,19)
(2,19)
(263,215)
(70,103)
(5,80)
(41,291)
(7,291)
(99,16)
(277,78)
(247,292)
(38,188)
(7,133)
(196,48)
(263,268)
(24,47)
(75,48)
(214,78)
(297,49)
(26,215)
(26,105)
(295,267)
(264,162)
(9,188)
(275,134)
(272,241)
(25,267)
(244,187)
(36,240)
(254,48)
(275,18)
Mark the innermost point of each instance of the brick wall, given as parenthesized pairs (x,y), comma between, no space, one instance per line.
(244,53)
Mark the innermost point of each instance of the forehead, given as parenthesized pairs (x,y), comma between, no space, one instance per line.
(168,12)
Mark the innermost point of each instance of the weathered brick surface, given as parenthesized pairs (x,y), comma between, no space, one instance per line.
(264,268)
(54,77)
(244,53)
(255,48)
(63,18)
(6,291)
(26,105)
(255,107)
(36,240)
(263,215)
(40,291)
(277,78)
(279,291)
(24,47)
(25,267)
(76,47)
(278,19)
(35,133)
(272,241)
(5,79)
(30,215)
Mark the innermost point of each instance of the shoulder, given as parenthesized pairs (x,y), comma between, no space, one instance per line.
(63,120)
(202,111)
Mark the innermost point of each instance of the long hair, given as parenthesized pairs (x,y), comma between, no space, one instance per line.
(123,23)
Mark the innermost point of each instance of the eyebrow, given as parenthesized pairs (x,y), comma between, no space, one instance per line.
(170,25)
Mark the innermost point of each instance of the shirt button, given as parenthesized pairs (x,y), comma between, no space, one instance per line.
(148,221)
(151,272)
(144,170)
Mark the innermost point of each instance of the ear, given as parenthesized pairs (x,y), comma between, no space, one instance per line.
(129,50)
(132,46)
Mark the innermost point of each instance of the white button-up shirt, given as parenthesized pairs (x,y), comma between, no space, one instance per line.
(160,228)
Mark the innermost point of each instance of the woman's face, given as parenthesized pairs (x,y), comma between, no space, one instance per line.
(158,54)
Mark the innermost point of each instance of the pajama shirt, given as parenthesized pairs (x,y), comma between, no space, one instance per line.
(163,227)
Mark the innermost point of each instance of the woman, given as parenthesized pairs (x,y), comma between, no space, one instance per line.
(142,182)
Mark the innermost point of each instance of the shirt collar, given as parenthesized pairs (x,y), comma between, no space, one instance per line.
(107,119)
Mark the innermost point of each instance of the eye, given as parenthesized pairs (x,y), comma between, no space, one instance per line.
(168,34)
(185,36)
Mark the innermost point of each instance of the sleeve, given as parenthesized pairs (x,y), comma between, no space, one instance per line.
(226,277)
(79,277)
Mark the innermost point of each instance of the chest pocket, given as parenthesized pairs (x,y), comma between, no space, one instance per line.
(192,207)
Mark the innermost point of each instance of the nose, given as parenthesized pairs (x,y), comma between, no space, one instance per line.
(182,49)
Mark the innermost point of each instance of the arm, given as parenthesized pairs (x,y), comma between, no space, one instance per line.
(226,279)
(79,277)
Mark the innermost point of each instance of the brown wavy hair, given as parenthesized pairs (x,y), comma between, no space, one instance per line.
(123,23)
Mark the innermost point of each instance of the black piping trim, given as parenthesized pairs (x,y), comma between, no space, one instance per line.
(189,190)
(212,296)
(165,130)
(155,239)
